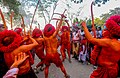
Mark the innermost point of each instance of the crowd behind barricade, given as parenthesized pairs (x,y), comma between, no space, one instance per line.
(81,48)
(18,49)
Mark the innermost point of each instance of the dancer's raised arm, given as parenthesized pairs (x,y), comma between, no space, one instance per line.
(100,42)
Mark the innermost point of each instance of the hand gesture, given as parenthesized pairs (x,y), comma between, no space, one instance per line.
(83,24)
(19,59)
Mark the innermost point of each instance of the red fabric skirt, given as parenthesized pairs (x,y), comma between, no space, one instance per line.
(105,72)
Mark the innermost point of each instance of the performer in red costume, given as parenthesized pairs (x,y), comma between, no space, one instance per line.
(51,42)
(3,66)
(18,31)
(10,45)
(97,49)
(39,50)
(65,42)
(110,51)
(25,40)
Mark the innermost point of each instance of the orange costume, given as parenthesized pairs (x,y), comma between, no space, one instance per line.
(39,50)
(10,45)
(51,42)
(65,43)
(19,32)
(97,49)
(109,55)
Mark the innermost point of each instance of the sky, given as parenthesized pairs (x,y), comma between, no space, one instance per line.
(105,8)
(111,4)
(85,12)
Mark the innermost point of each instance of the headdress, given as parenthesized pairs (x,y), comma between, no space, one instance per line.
(113,25)
(36,33)
(64,27)
(11,45)
(49,30)
(18,30)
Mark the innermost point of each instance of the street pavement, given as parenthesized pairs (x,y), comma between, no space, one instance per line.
(74,69)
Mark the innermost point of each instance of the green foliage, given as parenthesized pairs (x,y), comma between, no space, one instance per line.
(99,22)
(97,2)
(112,12)
(89,22)
(77,1)
(75,20)
(105,16)
(12,5)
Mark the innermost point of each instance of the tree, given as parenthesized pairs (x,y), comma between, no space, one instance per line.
(44,9)
(115,11)
(98,2)
(22,7)
(112,12)
(98,22)
(11,5)
(73,13)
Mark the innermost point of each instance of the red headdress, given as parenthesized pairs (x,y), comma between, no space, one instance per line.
(64,27)
(18,30)
(49,30)
(36,33)
(12,45)
(113,25)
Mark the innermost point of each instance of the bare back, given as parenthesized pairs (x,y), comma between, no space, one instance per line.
(51,44)
(40,47)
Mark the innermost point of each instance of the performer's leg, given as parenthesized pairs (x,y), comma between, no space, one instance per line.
(63,52)
(77,48)
(46,70)
(64,71)
(73,50)
(68,52)
(40,64)
(41,56)
(77,51)
(57,61)
(79,58)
